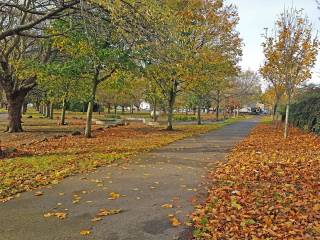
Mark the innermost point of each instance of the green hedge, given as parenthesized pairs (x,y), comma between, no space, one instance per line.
(185,118)
(306,114)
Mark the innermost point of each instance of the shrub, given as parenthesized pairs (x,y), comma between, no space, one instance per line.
(185,118)
(305,114)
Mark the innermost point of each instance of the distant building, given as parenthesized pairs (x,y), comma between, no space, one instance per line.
(145,106)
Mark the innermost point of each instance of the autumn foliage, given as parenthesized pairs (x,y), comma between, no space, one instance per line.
(268,189)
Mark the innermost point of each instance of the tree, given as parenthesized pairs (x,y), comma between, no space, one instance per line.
(291,53)
(191,28)
(21,25)
(208,69)
(247,88)
(270,72)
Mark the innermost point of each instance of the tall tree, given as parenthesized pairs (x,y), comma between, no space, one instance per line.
(291,53)
(21,25)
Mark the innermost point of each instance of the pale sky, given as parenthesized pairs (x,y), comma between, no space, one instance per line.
(255,15)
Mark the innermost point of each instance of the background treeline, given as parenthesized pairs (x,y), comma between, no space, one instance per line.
(76,55)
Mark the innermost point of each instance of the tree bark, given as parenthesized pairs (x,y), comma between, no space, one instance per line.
(171,102)
(170,118)
(88,130)
(155,111)
(14,112)
(83,108)
(37,105)
(131,109)
(218,106)
(199,115)
(47,113)
(63,112)
(24,108)
(274,112)
(286,125)
(51,111)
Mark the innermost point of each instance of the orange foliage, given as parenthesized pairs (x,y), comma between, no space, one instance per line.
(269,189)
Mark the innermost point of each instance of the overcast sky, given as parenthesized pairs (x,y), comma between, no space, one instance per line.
(255,15)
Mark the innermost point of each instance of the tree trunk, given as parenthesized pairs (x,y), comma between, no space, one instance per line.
(14,113)
(83,107)
(51,111)
(109,108)
(37,105)
(171,102)
(218,106)
(63,112)
(286,126)
(131,109)
(24,108)
(155,111)
(122,109)
(88,130)
(274,112)
(199,115)
(170,118)
(115,109)
(47,113)
(217,112)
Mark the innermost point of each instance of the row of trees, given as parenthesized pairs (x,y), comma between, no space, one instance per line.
(89,51)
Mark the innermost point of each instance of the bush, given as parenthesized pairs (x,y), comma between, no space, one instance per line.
(306,114)
(184,118)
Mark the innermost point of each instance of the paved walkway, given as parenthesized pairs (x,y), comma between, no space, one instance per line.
(169,175)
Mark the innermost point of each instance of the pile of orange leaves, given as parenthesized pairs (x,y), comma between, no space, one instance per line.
(268,189)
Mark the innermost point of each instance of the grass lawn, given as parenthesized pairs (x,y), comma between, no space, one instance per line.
(47,161)
(268,189)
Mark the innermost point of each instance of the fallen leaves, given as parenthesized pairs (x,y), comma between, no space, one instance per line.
(106,212)
(85,232)
(174,220)
(167,206)
(38,194)
(60,215)
(268,189)
(114,196)
(96,219)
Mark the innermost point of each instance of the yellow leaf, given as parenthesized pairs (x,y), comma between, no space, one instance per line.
(60,215)
(85,232)
(96,219)
(174,221)
(114,196)
(167,206)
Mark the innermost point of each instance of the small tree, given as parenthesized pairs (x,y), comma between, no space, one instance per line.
(291,53)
